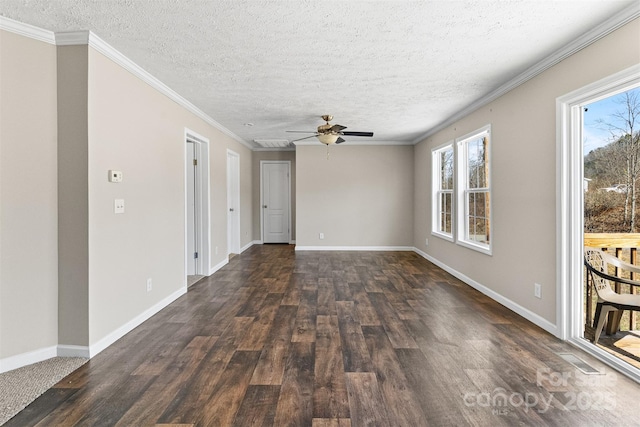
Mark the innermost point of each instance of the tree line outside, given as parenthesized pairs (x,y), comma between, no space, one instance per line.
(612,171)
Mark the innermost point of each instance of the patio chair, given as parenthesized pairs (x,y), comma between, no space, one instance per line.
(597,263)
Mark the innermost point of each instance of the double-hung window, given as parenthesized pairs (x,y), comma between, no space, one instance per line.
(474,190)
(442,206)
(461,191)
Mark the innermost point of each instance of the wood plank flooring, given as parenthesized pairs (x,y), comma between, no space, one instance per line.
(335,339)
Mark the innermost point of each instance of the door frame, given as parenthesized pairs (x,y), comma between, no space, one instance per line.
(193,207)
(203,202)
(262,163)
(570,211)
(231,153)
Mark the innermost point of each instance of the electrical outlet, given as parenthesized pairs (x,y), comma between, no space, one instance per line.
(321,236)
(149,285)
(216,250)
(537,290)
(426,242)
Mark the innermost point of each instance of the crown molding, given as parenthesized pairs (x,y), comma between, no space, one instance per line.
(72,38)
(27,30)
(352,142)
(605,28)
(110,52)
(274,149)
(76,38)
(67,38)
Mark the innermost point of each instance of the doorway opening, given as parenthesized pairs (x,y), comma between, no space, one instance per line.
(197,206)
(589,147)
(611,174)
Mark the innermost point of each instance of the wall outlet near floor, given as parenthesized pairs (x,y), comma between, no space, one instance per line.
(321,236)
(537,290)
(426,242)
(216,250)
(149,284)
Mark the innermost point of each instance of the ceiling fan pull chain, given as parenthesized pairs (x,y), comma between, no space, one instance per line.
(327,152)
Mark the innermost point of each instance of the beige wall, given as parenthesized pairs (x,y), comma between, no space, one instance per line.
(73,196)
(524,176)
(28,196)
(133,129)
(272,155)
(139,131)
(246,195)
(360,196)
(74,276)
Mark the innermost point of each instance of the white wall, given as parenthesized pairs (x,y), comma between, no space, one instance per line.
(523,147)
(360,196)
(28,196)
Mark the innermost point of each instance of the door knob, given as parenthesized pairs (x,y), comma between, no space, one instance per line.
(230,209)
(264,206)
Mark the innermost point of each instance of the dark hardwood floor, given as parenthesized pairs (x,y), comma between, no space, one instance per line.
(338,339)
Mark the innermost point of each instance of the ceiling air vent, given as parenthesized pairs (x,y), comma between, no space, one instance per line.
(272,143)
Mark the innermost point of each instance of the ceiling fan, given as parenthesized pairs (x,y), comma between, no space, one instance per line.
(330,134)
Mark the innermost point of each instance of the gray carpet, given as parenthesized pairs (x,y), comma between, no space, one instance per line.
(22,386)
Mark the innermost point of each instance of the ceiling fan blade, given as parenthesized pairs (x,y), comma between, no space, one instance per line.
(300,131)
(357,133)
(306,137)
(339,140)
(337,128)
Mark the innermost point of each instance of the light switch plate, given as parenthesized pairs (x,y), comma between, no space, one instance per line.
(118,206)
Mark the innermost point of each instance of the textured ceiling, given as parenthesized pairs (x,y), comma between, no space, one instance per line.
(398,68)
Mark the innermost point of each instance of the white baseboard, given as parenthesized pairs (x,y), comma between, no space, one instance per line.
(515,307)
(133,323)
(62,350)
(354,248)
(28,358)
(247,246)
(24,359)
(73,351)
(257,242)
(219,265)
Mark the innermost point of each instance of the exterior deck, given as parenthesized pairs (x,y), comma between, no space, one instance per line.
(623,341)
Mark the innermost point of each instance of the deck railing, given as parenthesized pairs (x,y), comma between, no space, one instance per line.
(624,246)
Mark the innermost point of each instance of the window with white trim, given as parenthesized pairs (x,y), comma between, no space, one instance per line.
(442,161)
(474,190)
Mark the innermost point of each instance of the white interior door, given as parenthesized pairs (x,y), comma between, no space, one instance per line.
(233,202)
(275,202)
(192,209)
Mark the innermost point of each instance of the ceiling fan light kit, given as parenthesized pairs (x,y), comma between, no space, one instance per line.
(327,139)
(331,134)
